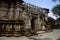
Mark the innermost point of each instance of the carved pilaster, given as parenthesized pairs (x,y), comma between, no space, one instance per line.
(27,23)
(11,12)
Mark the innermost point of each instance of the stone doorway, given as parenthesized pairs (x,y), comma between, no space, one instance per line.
(32,24)
(33,21)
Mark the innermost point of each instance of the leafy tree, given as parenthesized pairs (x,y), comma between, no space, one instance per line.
(50,19)
(58,20)
(56,10)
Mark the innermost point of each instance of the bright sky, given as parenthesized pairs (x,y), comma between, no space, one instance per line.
(44,4)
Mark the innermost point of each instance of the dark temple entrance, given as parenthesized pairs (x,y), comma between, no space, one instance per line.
(32,24)
(33,21)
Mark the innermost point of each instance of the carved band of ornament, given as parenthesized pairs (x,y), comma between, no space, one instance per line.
(8,27)
(3,5)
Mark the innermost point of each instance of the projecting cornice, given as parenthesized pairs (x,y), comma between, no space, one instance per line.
(45,9)
(35,9)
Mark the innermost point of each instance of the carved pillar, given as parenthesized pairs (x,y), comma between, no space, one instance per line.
(27,20)
(27,26)
(2,29)
(39,23)
(46,17)
(17,9)
(11,12)
(8,27)
(27,23)
(17,27)
(3,10)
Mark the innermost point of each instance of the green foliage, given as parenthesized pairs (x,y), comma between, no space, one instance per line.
(58,20)
(50,19)
(56,10)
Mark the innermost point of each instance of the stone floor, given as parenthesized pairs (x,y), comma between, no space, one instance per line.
(55,35)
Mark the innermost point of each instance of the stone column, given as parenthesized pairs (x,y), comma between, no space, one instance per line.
(3,27)
(17,9)
(26,17)
(8,27)
(46,17)
(27,27)
(37,24)
(27,20)
(27,23)
(10,14)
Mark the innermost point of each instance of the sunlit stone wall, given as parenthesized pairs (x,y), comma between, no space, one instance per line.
(24,11)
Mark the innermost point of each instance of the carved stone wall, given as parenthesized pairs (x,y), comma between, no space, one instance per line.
(17,11)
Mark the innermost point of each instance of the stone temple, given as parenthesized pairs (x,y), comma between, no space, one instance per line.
(18,17)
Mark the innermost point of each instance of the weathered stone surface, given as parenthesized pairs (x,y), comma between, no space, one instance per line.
(28,13)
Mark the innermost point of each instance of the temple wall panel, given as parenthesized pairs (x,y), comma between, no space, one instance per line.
(27,23)
(8,27)
(15,13)
(17,27)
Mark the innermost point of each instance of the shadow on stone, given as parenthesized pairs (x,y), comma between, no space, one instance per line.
(58,38)
(44,39)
